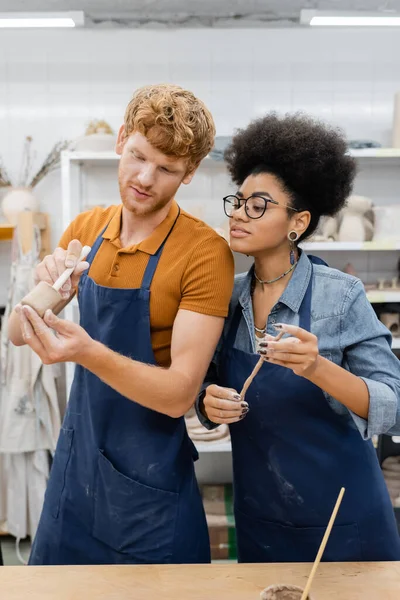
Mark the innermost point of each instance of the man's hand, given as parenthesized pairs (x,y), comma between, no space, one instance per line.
(53,265)
(71,342)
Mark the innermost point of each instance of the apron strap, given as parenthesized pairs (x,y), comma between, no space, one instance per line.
(95,247)
(237,315)
(153,260)
(231,337)
(305,307)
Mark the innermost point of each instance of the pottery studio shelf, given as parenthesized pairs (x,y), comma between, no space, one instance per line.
(6,232)
(112,158)
(210,447)
(378,297)
(378,246)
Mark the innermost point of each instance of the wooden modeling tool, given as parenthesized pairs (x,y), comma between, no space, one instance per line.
(323,544)
(292,592)
(44,295)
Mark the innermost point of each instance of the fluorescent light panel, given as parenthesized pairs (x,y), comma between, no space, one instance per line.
(326,18)
(42,19)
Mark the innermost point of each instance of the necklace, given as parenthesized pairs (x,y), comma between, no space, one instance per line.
(276,278)
(264,330)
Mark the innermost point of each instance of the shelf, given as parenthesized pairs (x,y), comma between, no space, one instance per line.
(396,343)
(92,158)
(6,231)
(351,246)
(378,297)
(111,159)
(375,153)
(209,447)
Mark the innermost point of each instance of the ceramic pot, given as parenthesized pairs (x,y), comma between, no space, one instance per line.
(16,200)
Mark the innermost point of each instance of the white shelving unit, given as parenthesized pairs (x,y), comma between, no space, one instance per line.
(377,297)
(351,246)
(77,167)
(213,448)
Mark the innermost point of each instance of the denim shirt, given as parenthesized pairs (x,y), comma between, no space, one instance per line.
(348,331)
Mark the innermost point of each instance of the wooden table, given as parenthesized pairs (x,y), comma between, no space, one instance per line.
(334,581)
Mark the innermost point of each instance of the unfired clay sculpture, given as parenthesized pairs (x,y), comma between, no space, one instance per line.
(45,296)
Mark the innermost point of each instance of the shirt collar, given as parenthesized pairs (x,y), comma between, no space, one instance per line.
(152,243)
(293,295)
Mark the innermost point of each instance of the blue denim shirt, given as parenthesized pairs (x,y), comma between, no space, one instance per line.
(348,331)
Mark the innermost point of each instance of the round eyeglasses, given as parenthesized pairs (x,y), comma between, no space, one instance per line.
(254,206)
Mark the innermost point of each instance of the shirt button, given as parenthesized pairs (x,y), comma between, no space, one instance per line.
(116,267)
(273,320)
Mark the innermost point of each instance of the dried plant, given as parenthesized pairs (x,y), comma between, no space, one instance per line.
(26,179)
(51,162)
(4,178)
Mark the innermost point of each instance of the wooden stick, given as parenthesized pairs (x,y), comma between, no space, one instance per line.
(323,544)
(57,285)
(256,369)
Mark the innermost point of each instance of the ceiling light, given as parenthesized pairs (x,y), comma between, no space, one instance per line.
(42,19)
(325,18)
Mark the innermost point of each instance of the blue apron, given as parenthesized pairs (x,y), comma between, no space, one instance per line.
(291,455)
(122,487)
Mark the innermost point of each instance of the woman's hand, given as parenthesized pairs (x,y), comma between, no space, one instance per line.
(223,405)
(298,353)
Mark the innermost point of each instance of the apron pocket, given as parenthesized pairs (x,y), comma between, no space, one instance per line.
(133,518)
(267,541)
(58,471)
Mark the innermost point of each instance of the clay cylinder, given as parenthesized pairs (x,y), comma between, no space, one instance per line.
(42,297)
(283,592)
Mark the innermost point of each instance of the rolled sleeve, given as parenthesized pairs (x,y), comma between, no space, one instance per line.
(382,411)
(365,343)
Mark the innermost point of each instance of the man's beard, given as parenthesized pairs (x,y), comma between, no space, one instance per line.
(149,207)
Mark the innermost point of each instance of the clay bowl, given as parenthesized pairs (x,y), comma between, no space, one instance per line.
(283,592)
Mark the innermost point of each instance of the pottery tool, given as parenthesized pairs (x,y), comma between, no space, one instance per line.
(292,592)
(44,295)
(323,544)
(258,366)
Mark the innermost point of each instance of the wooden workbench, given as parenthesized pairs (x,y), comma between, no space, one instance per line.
(334,581)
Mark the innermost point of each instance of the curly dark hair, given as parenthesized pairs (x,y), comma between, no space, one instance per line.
(307,157)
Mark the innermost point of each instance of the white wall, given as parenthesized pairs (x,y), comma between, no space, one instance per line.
(52,83)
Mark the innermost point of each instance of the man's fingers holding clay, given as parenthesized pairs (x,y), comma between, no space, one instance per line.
(73,252)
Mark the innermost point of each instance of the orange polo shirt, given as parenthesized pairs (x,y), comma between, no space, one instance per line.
(195,271)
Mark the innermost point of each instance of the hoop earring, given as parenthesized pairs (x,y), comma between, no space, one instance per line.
(293,236)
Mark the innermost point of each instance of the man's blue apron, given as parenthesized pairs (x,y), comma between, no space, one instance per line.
(122,487)
(291,455)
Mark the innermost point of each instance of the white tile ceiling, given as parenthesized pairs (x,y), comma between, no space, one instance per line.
(177,10)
